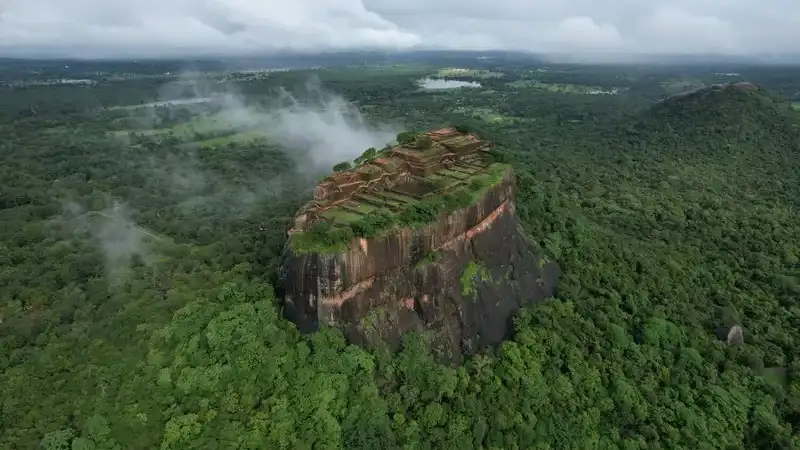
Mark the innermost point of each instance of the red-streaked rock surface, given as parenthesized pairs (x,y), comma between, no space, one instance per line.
(482,271)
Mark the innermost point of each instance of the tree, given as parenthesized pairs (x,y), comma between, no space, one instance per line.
(342,166)
(368,155)
(422,142)
(407,137)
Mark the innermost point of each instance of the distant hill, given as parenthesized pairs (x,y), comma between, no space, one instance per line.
(740,115)
(740,133)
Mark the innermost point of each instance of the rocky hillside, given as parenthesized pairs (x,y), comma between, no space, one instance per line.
(460,279)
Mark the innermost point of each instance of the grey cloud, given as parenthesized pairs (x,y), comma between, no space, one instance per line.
(181,27)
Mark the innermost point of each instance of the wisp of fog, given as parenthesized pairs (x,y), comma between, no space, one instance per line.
(115,234)
(319,127)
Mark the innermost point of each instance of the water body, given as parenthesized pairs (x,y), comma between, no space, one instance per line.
(438,83)
(181,101)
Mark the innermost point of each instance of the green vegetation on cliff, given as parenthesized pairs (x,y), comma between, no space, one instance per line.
(469,277)
(333,237)
(669,225)
(431,257)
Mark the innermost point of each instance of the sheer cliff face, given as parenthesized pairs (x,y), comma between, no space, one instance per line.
(461,279)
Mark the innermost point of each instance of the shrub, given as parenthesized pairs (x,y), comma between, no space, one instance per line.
(368,155)
(458,199)
(407,137)
(475,185)
(322,237)
(372,224)
(320,227)
(325,235)
(422,142)
(422,212)
(499,156)
(342,166)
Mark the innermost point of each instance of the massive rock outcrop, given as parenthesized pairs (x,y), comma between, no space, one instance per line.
(461,278)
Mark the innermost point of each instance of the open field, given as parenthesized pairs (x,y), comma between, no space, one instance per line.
(475,73)
(176,102)
(378,71)
(489,115)
(677,86)
(188,129)
(485,114)
(563,88)
(247,136)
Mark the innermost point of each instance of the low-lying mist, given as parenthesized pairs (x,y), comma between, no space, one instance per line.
(176,181)
(310,125)
(120,240)
(318,127)
(314,127)
(329,128)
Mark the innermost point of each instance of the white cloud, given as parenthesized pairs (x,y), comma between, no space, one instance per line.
(675,30)
(580,32)
(183,27)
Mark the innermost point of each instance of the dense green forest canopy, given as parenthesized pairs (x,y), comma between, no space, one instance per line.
(141,244)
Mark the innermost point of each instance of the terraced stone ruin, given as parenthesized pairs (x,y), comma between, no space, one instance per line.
(395,177)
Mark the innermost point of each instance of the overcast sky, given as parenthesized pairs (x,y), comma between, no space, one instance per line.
(108,28)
